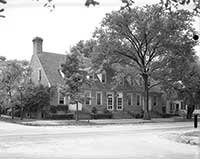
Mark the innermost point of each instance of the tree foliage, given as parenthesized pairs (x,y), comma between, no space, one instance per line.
(181,80)
(142,39)
(1,9)
(170,4)
(35,97)
(167,4)
(14,74)
(75,78)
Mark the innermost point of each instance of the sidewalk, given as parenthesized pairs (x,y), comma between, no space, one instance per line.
(35,122)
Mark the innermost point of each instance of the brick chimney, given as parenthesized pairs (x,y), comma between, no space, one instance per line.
(37,45)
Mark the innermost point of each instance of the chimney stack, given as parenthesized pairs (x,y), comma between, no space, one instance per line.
(37,45)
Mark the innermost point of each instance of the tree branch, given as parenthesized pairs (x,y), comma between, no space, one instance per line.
(154,85)
(129,56)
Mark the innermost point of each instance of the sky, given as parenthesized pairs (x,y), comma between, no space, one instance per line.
(60,29)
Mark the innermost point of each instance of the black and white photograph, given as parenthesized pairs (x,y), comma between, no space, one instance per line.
(99,79)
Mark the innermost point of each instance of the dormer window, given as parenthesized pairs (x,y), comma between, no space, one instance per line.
(39,74)
(154,100)
(130,80)
(61,73)
(90,76)
(103,77)
(121,82)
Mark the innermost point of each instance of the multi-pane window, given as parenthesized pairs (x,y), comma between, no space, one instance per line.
(154,100)
(39,74)
(138,100)
(119,101)
(99,98)
(129,99)
(91,76)
(61,99)
(130,80)
(88,98)
(110,101)
(171,106)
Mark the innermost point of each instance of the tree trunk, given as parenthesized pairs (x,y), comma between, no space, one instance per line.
(146,115)
(77,111)
(12,112)
(21,113)
(190,111)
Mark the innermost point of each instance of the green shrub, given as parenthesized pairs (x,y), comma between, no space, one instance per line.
(53,109)
(94,110)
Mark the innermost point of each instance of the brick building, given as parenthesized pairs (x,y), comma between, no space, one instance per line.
(127,99)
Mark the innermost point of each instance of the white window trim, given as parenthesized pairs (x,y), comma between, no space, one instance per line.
(59,99)
(130,94)
(140,101)
(101,101)
(156,100)
(105,77)
(122,101)
(61,73)
(112,100)
(91,75)
(121,83)
(90,95)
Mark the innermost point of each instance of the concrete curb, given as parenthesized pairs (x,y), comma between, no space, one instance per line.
(32,122)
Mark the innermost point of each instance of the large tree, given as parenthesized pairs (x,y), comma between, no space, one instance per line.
(35,98)
(75,78)
(141,39)
(14,75)
(181,79)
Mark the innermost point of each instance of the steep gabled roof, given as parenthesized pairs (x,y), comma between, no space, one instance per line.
(51,64)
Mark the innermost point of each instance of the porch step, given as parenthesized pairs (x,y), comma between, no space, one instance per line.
(121,115)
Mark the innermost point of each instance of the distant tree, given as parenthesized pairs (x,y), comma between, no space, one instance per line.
(14,74)
(2,58)
(182,76)
(170,4)
(75,78)
(140,39)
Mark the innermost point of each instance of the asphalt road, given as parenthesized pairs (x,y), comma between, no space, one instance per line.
(136,141)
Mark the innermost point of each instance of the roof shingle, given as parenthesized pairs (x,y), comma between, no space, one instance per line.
(51,64)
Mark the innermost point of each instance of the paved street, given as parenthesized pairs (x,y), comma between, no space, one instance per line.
(134,141)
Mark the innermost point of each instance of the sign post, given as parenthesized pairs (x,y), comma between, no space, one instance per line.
(196,113)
